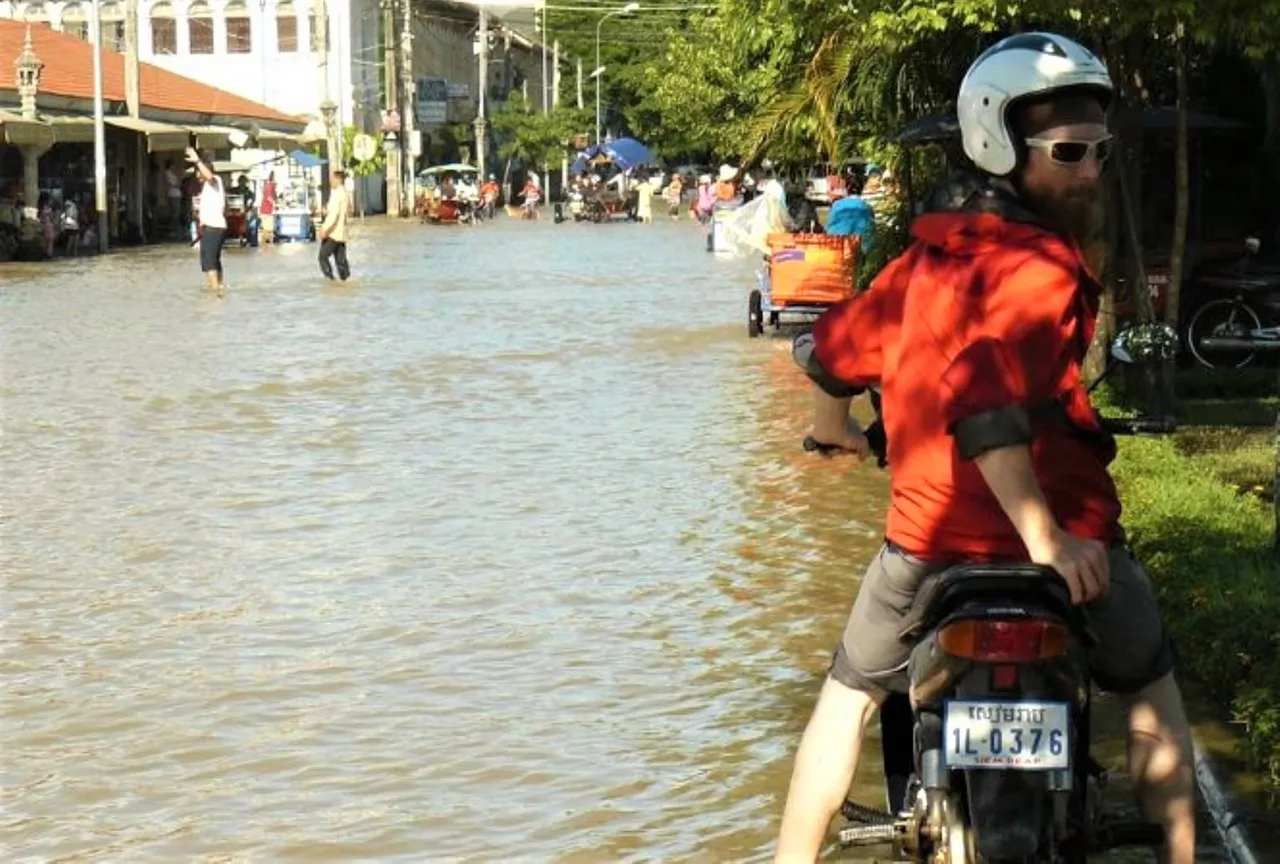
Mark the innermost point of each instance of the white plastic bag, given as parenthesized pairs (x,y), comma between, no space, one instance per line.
(746,230)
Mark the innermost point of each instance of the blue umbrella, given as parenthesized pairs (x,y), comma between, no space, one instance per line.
(627,153)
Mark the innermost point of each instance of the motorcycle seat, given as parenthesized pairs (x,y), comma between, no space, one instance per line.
(1017,589)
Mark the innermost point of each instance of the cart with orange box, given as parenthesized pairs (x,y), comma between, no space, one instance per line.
(804,275)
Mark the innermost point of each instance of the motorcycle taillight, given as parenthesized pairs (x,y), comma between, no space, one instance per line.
(1004,641)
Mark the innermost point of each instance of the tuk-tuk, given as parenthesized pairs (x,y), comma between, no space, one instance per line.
(437,203)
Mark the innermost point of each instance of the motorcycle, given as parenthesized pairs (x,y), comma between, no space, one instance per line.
(485,210)
(1235,311)
(987,758)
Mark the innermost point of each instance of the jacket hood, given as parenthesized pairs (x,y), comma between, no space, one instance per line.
(966,233)
(986,219)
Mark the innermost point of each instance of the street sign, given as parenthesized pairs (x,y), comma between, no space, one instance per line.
(431,101)
(390,142)
(363,147)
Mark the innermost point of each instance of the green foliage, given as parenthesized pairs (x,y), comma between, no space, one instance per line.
(533,136)
(810,81)
(1198,525)
(369,166)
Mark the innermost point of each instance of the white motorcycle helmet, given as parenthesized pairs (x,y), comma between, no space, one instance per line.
(1021,66)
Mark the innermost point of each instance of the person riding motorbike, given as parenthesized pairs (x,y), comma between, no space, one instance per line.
(489,193)
(976,336)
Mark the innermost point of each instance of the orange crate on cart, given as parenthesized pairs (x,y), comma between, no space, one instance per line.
(811,269)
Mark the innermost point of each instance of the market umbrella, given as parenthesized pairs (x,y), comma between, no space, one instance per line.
(628,153)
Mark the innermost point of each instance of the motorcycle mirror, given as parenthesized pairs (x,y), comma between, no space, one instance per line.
(1253,244)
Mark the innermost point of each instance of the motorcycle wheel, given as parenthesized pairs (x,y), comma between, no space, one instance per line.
(755,315)
(1209,319)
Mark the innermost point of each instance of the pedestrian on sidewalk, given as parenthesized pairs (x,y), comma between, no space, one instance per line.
(213,222)
(333,231)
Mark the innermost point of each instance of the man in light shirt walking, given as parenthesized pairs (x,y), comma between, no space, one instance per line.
(333,231)
(213,222)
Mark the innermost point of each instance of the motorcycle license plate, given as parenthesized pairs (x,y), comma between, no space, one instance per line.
(1024,736)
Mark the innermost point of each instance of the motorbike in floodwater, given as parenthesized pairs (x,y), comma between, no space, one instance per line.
(987,758)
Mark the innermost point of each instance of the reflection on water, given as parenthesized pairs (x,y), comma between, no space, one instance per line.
(505,548)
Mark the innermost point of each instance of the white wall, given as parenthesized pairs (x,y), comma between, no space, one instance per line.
(288,82)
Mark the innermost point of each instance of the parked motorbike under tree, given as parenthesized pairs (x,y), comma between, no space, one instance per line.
(1234,315)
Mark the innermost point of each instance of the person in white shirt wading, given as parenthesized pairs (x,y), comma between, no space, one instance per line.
(213,222)
(333,231)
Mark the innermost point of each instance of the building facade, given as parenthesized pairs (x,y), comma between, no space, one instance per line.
(258,49)
(266,51)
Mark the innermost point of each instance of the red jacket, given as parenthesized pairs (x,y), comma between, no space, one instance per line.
(983,323)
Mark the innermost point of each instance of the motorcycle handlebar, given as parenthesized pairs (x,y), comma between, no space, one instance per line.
(875,439)
(1115,425)
(813,445)
(1140,425)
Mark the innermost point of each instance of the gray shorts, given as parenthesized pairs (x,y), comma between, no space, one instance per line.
(1133,649)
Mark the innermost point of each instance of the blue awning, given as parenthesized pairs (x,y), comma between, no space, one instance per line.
(307,160)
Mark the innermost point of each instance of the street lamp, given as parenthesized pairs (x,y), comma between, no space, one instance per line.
(625,10)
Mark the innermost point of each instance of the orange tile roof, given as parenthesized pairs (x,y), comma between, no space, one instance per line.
(68,71)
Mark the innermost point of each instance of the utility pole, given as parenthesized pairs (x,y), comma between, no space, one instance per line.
(320,44)
(131,94)
(99,134)
(555,103)
(389,74)
(406,115)
(546,107)
(132,98)
(555,76)
(546,102)
(482,51)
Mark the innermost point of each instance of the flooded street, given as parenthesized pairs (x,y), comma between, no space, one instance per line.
(507,548)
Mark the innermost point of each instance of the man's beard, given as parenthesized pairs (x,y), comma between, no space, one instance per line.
(1080,213)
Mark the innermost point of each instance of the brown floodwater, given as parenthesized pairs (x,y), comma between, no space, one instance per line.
(504,549)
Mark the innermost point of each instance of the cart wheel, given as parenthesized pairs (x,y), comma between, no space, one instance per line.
(755,315)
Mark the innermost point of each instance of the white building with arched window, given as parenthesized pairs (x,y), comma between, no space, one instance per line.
(258,49)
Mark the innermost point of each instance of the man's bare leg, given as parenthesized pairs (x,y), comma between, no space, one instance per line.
(824,768)
(1163,767)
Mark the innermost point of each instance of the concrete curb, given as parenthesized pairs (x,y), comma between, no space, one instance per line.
(1231,827)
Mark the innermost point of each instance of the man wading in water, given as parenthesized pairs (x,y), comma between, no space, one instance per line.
(213,223)
(333,232)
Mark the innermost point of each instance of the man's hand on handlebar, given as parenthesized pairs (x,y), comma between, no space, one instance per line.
(1082,563)
(850,439)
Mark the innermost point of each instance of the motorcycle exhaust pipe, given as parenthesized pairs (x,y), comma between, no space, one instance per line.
(1226,343)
